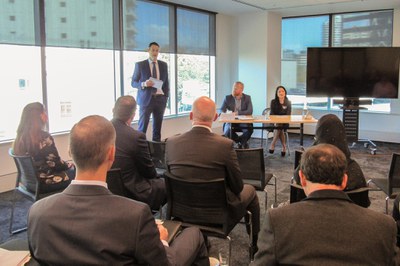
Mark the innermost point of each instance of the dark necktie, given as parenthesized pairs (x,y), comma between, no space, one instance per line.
(154,71)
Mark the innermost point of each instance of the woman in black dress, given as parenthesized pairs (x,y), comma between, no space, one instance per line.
(280,106)
(33,140)
(330,130)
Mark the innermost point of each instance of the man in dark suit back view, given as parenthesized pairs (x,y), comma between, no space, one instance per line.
(200,154)
(87,225)
(132,156)
(326,228)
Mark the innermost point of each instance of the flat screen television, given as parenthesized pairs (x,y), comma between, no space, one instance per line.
(353,72)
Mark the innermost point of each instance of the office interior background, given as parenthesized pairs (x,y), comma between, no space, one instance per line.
(77,57)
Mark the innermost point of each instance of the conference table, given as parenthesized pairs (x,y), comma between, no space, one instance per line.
(295,122)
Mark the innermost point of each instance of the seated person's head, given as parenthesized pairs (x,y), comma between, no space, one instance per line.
(237,89)
(92,142)
(124,108)
(330,130)
(203,111)
(323,165)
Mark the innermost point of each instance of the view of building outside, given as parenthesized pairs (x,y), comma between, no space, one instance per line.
(348,30)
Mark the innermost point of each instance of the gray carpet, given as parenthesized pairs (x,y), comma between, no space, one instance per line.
(372,166)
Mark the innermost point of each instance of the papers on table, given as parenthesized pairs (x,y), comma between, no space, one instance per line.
(158,85)
(244,117)
(227,116)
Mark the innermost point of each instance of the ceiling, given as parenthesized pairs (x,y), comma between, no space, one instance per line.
(288,8)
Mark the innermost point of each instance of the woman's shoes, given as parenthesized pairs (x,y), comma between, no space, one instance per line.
(283,153)
(271,151)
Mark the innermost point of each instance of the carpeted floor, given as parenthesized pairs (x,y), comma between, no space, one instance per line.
(372,166)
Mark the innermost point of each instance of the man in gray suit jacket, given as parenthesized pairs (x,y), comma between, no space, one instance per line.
(240,104)
(87,225)
(200,154)
(326,228)
(132,156)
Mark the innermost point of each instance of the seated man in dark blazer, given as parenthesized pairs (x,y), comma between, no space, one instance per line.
(240,104)
(88,225)
(202,154)
(326,228)
(132,156)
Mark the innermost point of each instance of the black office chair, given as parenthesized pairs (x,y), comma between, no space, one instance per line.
(27,184)
(116,186)
(266,112)
(114,182)
(359,195)
(157,153)
(252,166)
(202,204)
(296,190)
(391,185)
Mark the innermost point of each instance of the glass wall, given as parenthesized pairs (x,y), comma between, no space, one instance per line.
(338,30)
(88,49)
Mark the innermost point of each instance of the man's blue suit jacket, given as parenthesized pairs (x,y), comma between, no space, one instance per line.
(141,74)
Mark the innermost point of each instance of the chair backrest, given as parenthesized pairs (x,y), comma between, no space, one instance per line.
(197,202)
(394,173)
(27,173)
(266,111)
(114,182)
(157,152)
(252,166)
(297,158)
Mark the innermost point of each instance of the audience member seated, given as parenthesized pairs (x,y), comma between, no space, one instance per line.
(200,154)
(331,130)
(280,106)
(132,156)
(326,228)
(396,217)
(87,225)
(33,140)
(239,104)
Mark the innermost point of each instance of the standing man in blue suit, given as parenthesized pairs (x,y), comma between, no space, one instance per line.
(151,100)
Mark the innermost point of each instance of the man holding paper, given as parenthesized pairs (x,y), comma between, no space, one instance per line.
(150,77)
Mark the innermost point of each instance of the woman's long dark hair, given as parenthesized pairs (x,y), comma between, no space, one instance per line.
(276,94)
(29,130)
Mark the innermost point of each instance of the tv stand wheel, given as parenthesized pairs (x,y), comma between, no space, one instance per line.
(366,145)
(373,151)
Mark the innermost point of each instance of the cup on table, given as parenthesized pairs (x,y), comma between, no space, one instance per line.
(223,257)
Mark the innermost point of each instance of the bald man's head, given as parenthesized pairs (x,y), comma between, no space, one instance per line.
(203,111)
(90,141)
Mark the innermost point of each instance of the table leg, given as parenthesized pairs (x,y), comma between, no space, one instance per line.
(301,134)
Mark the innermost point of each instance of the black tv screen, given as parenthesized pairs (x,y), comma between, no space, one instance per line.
(353,72)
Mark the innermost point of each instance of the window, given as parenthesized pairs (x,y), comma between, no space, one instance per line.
(12,18)
(191,60)
(349,29)
(81,81)
(22,83)
(78,11)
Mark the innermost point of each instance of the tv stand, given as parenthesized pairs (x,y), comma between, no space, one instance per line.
(351,108)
